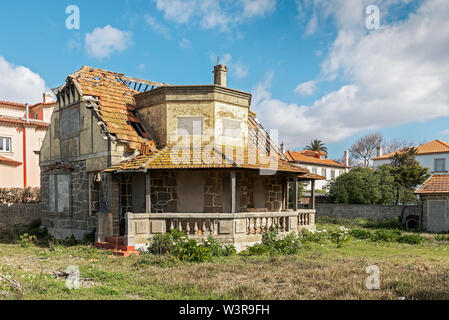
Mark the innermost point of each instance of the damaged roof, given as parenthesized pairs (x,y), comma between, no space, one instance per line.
(114,103)
(205,157)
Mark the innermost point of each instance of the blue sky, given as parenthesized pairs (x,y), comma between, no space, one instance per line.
(313,67)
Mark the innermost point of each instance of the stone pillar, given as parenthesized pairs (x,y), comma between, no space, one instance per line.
(148,193)
(130,240)
(312,200)
(233,194)
(295,193)
(286,193)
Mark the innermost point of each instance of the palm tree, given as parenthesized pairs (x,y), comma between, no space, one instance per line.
(316,145)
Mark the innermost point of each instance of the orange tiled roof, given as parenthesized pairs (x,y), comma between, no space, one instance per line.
(434,185)
(435,146)
(202,157)
(116,105)
(21,121)
(12,104)
(301,157)
(9,162)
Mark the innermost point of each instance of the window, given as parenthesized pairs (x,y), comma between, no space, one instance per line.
(70,125)
(59,193)
(5,144)
(190,126)
(440,165)
(333,174)
(232,128)
(315,170)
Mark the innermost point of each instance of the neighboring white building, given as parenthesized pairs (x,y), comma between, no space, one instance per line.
(317,163)
(433,155)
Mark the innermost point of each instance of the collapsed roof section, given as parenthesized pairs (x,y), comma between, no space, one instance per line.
(111,96)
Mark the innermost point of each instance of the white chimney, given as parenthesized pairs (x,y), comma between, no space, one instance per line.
(380,152)
(283,148)
(47,97)
(220,72)
(346,157)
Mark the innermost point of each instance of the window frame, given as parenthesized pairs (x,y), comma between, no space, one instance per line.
(224,130)
(444,165)
(4,139)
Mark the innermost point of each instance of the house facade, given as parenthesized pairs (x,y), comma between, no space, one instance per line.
(317,163)
(131,158)
(433,155)
(434,194)
(22,131)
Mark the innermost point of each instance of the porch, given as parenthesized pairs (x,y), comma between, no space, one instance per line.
(233,206)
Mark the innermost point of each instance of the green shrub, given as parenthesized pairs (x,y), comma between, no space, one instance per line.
(319,236)
(339,236)
(272,244)
(217,249)
(383,235)
(442,237)
(411,239)
(361,234)
(162,244)
(26,240)
(192,251)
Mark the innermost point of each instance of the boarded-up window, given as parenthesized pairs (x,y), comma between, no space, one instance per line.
(59,193)
(232,128)
(190,126)
(70,122)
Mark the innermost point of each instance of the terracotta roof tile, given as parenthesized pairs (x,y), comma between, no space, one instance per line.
(435,146)
(188,157)
(116,104)
(20,121)
(434,185)
(300,157)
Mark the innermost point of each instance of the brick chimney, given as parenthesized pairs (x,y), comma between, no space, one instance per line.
(380,152)
(220,72)
(346,158)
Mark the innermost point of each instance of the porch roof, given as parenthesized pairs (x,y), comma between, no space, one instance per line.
(437,184)
(206,157)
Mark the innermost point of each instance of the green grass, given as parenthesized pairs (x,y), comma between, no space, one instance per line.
(318,271)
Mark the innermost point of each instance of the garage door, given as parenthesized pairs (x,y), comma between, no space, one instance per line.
(437,215)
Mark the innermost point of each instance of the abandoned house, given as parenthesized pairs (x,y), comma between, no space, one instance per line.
(130,158)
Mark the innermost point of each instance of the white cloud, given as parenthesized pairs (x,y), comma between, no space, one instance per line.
(157,27)
(214,14)
(102,42)
(185,43)
(394,75)
(20,84)
(445,132)
(306,88)
(240,70)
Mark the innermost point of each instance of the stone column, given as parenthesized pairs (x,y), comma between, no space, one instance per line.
(130,240)
(286,193)
(148,193)
(312,200)
(233,194)
(295,193)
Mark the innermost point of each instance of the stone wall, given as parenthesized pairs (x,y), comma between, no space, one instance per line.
(76,221)
(213,192)
(274,193)
(19,214)
(373,212)
(164,197)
